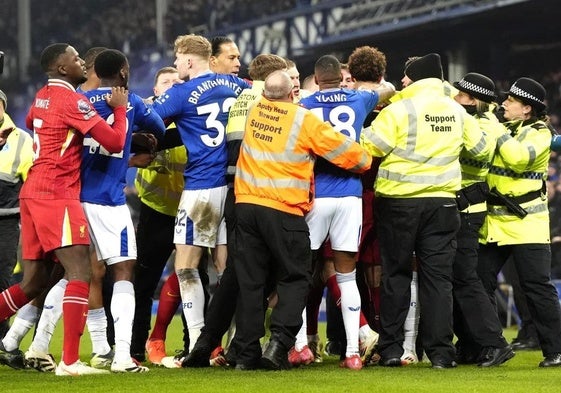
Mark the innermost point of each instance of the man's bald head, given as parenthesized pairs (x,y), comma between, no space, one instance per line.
(278,86)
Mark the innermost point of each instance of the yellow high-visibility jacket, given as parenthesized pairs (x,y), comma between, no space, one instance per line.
(160,185)
(276,163)
(475,170)
(236,125)
(16,157)
(518,168)
(419,137)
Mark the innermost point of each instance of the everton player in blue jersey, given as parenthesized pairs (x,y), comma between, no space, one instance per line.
(103,199)
(337,209)
(200,109)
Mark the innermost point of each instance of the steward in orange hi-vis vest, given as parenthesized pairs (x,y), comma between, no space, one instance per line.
(276,162)
(274,189)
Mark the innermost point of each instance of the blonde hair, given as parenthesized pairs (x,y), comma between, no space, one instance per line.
(194,45)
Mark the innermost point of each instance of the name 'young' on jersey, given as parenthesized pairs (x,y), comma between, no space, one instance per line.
(104,174)
(346,110)
(200,109)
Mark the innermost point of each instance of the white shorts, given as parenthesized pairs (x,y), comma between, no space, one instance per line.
(200,218)
(340,218)
(111,231)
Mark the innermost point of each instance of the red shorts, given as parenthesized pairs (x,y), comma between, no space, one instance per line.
(369,249)
(48,224)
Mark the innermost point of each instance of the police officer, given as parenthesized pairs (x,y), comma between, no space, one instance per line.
(419,138)
(476,323)
(517,222)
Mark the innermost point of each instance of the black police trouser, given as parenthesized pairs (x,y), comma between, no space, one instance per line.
(527,329)
(426,226)
(269,243)
(475,319)
(154,237)
(9,240)
(533,264)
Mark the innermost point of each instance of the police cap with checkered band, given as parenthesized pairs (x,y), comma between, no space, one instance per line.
(478,86)
(529,92)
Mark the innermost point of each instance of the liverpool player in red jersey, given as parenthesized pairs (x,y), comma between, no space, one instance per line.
(53,223)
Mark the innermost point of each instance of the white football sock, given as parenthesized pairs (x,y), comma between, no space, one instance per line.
(302,336)
(122,309)
(52,311)
(97,326)
(193,299)
(411,325)
(350,309)
(24,320)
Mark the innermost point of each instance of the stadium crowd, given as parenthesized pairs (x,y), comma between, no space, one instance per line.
(248,115)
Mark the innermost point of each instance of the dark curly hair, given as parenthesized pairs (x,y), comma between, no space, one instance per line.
(367,64)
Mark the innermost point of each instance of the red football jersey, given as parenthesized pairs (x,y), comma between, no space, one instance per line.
(59,117)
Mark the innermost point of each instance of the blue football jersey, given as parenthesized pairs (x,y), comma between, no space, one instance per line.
(199,108)
(103,174)
(346,110)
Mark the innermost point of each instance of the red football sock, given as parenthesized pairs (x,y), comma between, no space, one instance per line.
(11,300)
(74,313)
(170,298)
(312,309)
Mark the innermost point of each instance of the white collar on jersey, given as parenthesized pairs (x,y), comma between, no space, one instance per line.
(60,83)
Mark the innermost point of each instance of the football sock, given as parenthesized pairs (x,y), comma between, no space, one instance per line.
(411,325)
(122,309)
(11,300)
(350,309)
(25,319)
(170,299)
(301,336)
(193,298)
(75,311)
(97,326)
(52,311)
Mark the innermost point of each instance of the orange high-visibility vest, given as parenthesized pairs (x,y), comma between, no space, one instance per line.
(276,162)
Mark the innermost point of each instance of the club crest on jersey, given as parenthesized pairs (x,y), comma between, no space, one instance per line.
(82,231)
